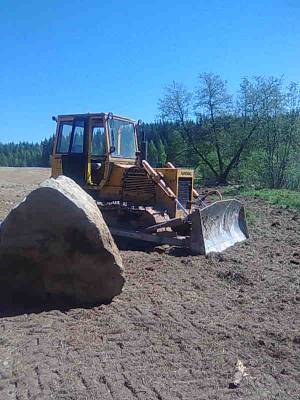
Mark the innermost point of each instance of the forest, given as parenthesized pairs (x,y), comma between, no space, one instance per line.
(25,154)
(251,137)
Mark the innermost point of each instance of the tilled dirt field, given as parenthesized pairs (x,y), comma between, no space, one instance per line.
(178,328)
(15,183)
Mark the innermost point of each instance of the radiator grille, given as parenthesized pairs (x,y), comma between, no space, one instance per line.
(184,191)
(137,186)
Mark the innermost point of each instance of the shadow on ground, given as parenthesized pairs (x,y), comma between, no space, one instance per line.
(20,304)
(23,291)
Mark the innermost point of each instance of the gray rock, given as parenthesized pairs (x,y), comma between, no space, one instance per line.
(55,246)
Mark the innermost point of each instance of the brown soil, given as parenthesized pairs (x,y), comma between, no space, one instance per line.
(178,328)
(15,183)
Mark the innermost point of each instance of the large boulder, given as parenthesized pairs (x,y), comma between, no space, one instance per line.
(56,248)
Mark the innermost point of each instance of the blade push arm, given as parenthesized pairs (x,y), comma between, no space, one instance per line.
(162,184)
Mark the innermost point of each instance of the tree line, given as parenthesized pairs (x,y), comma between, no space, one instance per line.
(250,137)
(25,154)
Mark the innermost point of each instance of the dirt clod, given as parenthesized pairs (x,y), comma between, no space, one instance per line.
(294,261)
(275,223)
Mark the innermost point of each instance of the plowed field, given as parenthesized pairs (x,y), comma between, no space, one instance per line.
(177,330)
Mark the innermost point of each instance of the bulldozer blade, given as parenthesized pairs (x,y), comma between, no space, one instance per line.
(218,226)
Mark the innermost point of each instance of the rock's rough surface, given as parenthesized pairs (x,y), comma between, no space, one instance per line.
(56,247)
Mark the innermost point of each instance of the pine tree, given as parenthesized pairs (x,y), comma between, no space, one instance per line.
(152,154)
(162,156)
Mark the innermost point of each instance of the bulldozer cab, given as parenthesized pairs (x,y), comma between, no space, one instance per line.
(86,144)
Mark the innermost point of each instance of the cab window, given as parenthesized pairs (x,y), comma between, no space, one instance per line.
(122,139)
(78,135)
(98,140)
(64,137)
(70,131)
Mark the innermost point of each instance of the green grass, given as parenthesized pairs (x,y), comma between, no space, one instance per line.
(251,217)
(279,197)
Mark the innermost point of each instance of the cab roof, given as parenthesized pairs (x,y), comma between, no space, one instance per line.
(97,115)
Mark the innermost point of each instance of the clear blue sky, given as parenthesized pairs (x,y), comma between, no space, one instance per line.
(60,56)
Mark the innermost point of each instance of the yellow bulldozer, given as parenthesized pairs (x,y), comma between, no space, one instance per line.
(106,155)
